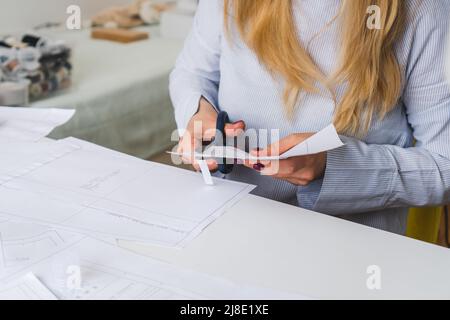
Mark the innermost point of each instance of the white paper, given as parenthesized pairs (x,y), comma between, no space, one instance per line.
(102,193)
(207,178)
(26,288)
(30,124)
(19,158)
(23,243)
(108,272)
(325,140)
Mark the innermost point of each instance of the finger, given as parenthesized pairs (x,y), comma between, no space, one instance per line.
(231,129)
(296,182)
(248,164)
(196,167)
(279,169)
(254,165)
(273,172)
(235,129)
(269,170)
(259,160)
(187,155)
(204,130)
(209,134)
(187,149)
(258,154)
(282,170)
(180,147)
(212,165)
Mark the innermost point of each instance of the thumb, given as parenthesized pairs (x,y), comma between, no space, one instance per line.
(234,129)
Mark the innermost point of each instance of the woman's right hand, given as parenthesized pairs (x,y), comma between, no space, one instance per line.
(202,129)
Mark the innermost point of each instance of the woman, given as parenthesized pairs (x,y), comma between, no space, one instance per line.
(299,65)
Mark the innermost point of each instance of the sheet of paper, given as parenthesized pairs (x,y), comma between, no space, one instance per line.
(108,272)
(19,158)
(30,124)
(325,140)
(23,243)
(102,193)
(26,288)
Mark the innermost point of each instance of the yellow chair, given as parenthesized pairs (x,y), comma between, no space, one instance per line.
(423,224)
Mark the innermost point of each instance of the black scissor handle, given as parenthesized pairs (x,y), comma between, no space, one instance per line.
(221,140)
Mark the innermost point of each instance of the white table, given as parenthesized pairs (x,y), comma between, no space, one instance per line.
(264,243)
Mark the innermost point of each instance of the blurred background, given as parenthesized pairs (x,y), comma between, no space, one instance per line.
(19,15)
(108,59)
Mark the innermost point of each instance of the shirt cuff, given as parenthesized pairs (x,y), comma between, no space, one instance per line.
(357,177)
(307,196)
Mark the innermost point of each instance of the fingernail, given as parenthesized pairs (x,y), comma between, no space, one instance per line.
(207,143)
(258,166)
(238,122)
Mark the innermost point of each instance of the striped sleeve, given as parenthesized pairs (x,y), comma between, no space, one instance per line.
(197,70)
(362,177)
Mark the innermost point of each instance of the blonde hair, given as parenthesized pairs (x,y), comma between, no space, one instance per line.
(368,64)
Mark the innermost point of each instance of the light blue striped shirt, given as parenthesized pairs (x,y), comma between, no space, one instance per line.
(372,180)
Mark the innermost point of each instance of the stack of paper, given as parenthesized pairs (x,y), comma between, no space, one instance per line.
(78,186)
(102,193)
(71,198)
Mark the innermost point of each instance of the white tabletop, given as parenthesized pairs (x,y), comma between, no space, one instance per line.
(265,243)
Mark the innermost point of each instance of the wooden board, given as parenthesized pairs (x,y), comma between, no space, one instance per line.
(118,35)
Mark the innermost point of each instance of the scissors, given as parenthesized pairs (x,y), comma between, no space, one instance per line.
(221,140)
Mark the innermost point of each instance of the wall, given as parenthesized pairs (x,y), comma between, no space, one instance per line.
(22,15)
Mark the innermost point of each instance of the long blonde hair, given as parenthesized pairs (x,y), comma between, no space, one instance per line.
(368,65)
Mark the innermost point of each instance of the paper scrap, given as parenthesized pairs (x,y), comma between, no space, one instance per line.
(205,172)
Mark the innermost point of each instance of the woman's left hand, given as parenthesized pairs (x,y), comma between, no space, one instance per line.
(299,171)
